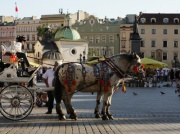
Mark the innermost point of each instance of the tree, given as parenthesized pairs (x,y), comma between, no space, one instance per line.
(46,32)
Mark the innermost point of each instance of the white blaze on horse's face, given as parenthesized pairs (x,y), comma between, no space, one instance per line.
(136,64)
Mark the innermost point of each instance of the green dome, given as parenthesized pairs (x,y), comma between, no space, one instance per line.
(67,33)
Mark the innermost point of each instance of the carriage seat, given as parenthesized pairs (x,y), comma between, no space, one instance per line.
(8,54)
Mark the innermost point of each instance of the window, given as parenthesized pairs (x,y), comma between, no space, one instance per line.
(111,39)
(123,35)
(175,56)
(27,46)
(33,37)
(73,51)
(143,20)
(164,55)
(175,43)
(130,20)
(164,31)
(176,20)
(111,51)
(153,31)
(123,45)
(97,52)
(142,31)
(152,54)
(90,39)
(27,37)
(85,37)
(164,43)
(142,43)
(97,39)
(103,39)
(153,20)
(153,43)
(90,52)
(39,54)
(175,31)
(165,20)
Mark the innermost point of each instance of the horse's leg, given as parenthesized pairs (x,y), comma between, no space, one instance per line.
(109,95)
(71,111)
(60,111)
(65,100)
(98,101)
(59,92)
(105,103)
(108,108)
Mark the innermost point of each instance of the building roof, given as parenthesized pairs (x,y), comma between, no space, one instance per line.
(67,33)
(7,24)
(49,45)
(159,18)
(55,55)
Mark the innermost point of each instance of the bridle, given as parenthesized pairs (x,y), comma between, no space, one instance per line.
(118,71)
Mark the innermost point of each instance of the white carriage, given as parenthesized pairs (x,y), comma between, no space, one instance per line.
(16,100)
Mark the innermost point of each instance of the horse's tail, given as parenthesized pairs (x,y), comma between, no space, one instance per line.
(58,87)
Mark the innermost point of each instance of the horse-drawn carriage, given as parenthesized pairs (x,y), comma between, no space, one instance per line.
(16,100)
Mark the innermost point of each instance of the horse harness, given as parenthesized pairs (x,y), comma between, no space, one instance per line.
(101,73)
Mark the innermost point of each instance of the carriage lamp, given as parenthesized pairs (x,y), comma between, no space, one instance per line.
(80,58)
(13,58)
(84,58)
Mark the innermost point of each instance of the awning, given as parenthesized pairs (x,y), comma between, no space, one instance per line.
(34,64)
(150,63)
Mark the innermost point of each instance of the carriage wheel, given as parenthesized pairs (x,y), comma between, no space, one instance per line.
(16,102)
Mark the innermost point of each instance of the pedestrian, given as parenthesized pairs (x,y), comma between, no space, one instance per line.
(177,77)
(48,77)
(166,75)
(171,76)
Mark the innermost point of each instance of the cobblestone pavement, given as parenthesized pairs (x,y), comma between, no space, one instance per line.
(148,112)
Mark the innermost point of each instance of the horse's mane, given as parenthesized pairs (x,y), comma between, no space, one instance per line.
(129,57)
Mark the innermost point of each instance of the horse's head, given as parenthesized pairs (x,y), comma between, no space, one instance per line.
(135,64)
(127,63)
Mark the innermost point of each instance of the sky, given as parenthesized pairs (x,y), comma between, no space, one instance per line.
(99,8)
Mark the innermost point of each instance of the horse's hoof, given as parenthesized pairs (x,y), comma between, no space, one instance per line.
(110,117)
(105,117)
(62,117)
(97,116)
(73,117)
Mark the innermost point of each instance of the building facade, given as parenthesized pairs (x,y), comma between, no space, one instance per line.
(60,20)
(126,30)
(7,33)
(6,19)
(101,34)
(160,33)
(28,28)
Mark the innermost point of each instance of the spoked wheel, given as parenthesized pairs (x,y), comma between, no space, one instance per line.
(16,102)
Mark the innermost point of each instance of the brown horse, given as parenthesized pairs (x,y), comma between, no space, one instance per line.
(103,78)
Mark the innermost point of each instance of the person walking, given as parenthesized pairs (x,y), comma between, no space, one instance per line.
(48,77)
(177,72)
(171,74)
